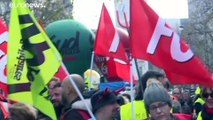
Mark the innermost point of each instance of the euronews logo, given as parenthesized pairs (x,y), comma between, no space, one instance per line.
(29,5)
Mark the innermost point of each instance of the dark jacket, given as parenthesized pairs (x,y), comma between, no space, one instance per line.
(205,115)
(1,114)
(74,112)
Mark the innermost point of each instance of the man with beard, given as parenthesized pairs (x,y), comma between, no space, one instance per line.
(105,105)
(74,107)
(56,96)
(51,84)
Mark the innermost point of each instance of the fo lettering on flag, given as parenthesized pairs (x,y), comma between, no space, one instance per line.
(152,39)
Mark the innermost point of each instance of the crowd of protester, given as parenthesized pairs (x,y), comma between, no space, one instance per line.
(152,101)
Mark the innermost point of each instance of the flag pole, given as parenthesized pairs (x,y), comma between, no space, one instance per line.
(91,66)
(78,92)
(131,89)
(131,71)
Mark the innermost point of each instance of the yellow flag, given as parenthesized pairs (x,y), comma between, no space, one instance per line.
(32,59)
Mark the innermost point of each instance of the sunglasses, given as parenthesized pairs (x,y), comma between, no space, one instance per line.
(206,95)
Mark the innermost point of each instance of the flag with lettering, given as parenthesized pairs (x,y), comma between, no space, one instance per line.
(3,56)
(107,41)
(61,73)
(32,59)
(152,39)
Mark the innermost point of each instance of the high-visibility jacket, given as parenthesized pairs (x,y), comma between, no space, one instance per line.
(199,116)
(197,91)
(200,100)
(4,108)
(208,116)
(198,108)
(140,111)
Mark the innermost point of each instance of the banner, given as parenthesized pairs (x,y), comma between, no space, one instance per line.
(152,39)
(3,57)
(32,59)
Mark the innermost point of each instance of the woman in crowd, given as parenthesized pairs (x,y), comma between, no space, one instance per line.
(158,103)
(207,109)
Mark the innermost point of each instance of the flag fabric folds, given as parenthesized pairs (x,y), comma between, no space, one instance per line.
(3,56)
(113,43)
(152,39)
(122,69)
(107,41)
(32,59)
(118,68)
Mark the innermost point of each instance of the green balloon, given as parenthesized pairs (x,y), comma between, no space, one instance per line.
(74,42)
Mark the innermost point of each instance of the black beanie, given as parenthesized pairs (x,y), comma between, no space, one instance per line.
(102,98)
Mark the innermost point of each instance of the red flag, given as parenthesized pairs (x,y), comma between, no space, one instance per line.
(3,56)
(61,73)
(152,39)
(107,41)
(121,69)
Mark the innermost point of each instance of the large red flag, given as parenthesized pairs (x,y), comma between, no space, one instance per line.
(152,39)
(107,41)
(3,56)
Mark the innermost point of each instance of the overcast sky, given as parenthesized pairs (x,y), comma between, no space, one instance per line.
(88,11)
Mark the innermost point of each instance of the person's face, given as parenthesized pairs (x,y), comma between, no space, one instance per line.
(176,93)
(208,96)
(51,85)
(186,95)
(56,96)
(111,110)
(160,111)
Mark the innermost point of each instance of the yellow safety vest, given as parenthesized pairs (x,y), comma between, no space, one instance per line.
(199,116)
(140,111)
(197,91)
(200,100)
